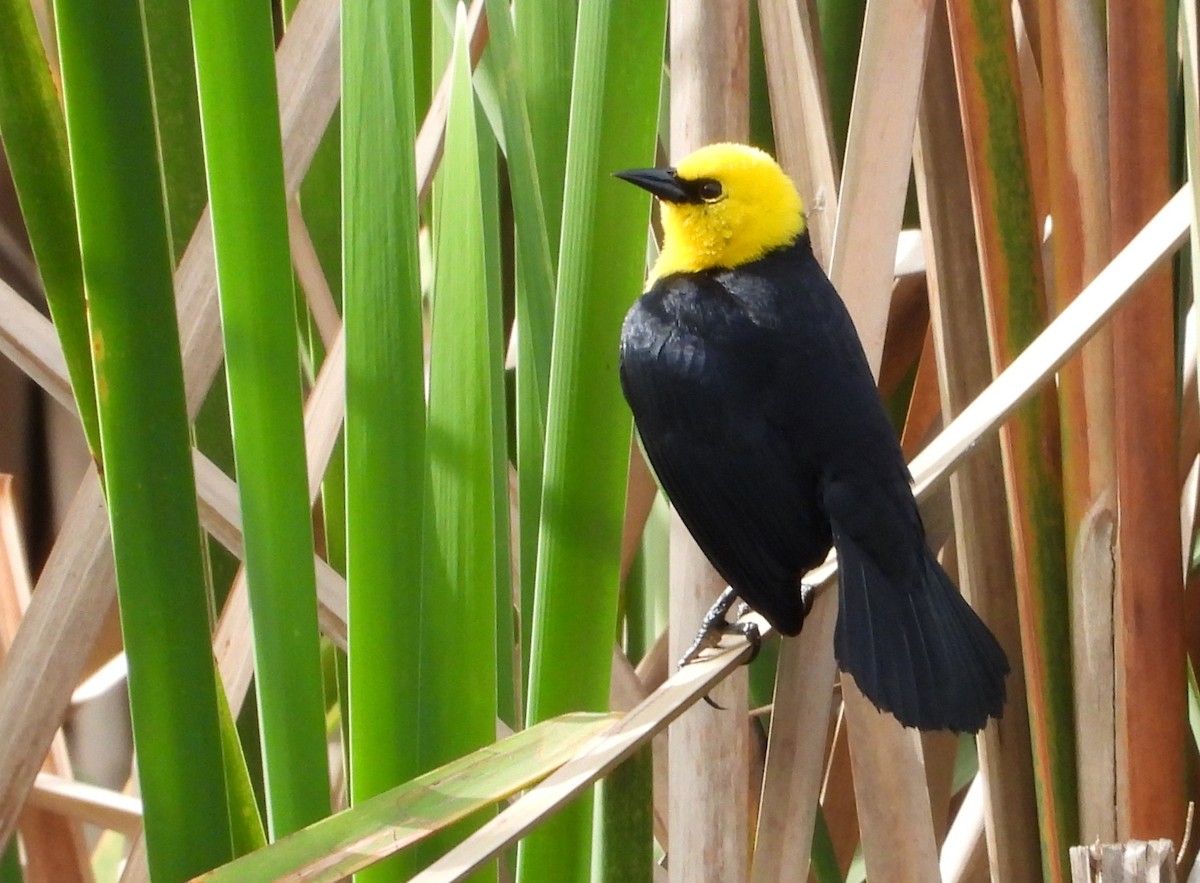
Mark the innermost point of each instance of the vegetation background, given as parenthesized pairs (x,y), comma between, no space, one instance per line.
(309,319)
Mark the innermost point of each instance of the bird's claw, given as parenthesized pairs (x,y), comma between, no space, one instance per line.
(715,625)
(749,631)
(705,638)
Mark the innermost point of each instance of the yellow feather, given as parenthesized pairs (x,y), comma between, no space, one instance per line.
(759,210)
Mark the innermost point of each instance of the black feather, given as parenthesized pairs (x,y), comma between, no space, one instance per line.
(758,412)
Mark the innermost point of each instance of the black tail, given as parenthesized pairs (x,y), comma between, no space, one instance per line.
(919,652)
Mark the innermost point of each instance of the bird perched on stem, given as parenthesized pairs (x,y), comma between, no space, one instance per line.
(759,414)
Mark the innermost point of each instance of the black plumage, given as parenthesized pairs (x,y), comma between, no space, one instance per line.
(759,414)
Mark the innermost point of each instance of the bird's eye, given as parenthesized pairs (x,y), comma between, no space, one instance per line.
(709,189)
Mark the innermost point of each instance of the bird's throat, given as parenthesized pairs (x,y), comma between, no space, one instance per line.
(705,237)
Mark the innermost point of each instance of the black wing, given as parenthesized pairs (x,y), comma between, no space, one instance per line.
(700,374)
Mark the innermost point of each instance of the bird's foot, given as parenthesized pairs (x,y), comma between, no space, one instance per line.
(715,625)
(748,630)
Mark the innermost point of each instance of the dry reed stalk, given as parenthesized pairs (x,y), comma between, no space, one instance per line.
(889,777)
(803,131)
(878,162)
(964,858)
(1031,16)
(940,749)
(795,764)
(977,489)
(1076,113)
(107,809)
(1029,78)
(311,277)
(837,796)
(55,848)
(1189,32)
(639,500)
(136,870)
(924,405)
(1151,710)
(870,206)
(1006,221)
(710,751)
(941,756)
(50,650)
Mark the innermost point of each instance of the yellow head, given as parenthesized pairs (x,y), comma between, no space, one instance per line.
(722,206)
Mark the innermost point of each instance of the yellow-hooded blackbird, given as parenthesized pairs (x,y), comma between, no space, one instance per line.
(759,414)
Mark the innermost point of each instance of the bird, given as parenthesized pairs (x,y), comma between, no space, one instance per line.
(758,412)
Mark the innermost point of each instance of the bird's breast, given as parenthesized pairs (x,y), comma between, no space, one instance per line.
(666,349)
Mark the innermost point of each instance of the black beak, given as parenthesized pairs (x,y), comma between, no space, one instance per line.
(663,183)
